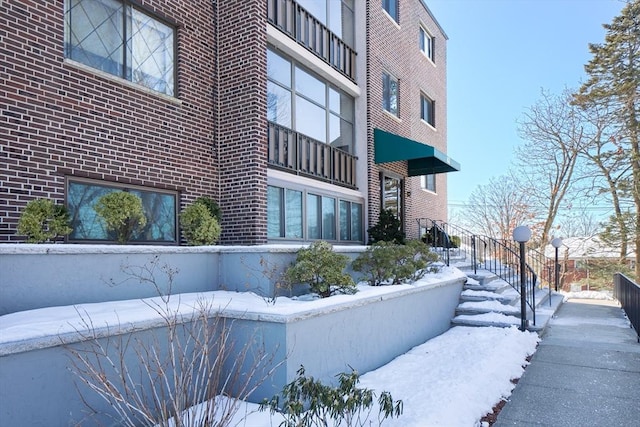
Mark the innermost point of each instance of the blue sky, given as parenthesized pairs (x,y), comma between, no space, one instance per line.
(500,54)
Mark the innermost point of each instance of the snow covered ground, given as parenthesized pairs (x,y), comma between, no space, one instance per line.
(451,380)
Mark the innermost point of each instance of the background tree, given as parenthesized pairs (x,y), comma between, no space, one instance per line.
(614,80)
(496,208)
(553,136)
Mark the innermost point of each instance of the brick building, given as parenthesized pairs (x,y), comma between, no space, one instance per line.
(301,119)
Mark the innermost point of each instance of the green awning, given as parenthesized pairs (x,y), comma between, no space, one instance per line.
(422,159)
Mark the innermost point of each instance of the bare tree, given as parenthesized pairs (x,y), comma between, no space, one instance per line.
(554,136)
(496,208)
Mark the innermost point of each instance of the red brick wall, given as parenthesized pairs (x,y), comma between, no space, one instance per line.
(58,119)
(395,49)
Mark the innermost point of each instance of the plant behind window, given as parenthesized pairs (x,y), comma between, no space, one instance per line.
(122,214)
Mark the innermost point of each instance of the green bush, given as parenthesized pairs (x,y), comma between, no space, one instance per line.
(307,402)
(389,263)
(211,205)
(198,225)
(388,229)
(122,214)
(43,221)
(322,269)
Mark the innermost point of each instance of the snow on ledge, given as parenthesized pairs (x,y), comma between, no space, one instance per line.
(53,326)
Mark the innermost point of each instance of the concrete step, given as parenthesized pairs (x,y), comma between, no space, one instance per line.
(477,295)
(486,319)
(479,307)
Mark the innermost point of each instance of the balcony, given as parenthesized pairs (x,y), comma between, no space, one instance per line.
(293,20)
(299,154)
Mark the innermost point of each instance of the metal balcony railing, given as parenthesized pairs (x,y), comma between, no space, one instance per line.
(293,20)
(299,154)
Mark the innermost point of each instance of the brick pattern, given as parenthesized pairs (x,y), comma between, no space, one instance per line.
(58,119)
(394,48)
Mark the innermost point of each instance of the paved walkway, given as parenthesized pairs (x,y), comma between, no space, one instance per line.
(585,372)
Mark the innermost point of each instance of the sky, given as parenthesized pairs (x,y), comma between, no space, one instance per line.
(500,55)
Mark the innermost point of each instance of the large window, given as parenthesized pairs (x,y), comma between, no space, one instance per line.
(426,43)
(391,6)
(390,94)
(392,195)
(286,209)
(428,110)
(159,209)
(336,15)
(115,37)
(299,100)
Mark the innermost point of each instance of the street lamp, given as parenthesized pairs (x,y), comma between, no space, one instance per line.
(556,243)
(522,234)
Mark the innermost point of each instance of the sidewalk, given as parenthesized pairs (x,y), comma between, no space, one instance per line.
(585,372)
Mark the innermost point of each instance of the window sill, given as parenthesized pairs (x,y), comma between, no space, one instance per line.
(393,21)
(120,80)
(429,125)
(427,57)
(393,116)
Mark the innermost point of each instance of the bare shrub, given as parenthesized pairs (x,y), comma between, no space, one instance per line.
(191,355)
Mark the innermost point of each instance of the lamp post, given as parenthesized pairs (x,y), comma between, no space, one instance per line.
(522,234)
(556,243)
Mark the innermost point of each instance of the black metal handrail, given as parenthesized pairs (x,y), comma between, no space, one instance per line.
(501,257)
(628,293)
(294,20)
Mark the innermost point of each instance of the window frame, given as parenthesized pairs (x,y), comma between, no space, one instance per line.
(69,180)
(321,197)
(428,182)
(387,80)
(392,8)
(429,116)
(426,42)
(296,96)
(128,6)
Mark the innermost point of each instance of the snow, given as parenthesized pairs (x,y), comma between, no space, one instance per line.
(451,380)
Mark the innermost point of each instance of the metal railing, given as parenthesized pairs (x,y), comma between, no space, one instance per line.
(501,257)
(293,20)
(299,154)
(628,293)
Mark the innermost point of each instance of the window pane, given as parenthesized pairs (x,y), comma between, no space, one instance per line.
(391,6)
(340,133)
(341,104)
(278,69)
(328,218)
(159,209)
(95,34)
(310,87)
(313,217)
(278,104)
(293,214)
(390,94)
(344,220)
(151,53)
(391,196)
(318,8)
(356,221)
(274,211)
(311,120)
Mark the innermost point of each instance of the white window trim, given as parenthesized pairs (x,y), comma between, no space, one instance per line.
(433,53)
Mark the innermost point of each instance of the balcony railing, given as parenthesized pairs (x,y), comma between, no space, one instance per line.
(299,154)
(293,20)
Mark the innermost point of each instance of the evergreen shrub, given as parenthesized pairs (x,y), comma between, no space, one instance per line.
(199,226)
(388,229)
(43,221)
(122,214)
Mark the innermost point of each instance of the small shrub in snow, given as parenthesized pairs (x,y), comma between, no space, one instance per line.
(307,402)
(322,269)
(385,262)
(43,221)
(388,229)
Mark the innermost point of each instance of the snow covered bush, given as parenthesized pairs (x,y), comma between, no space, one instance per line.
(322,269)
(389,263)
(43,221)
(122,214)
(388,229)
(308,403)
